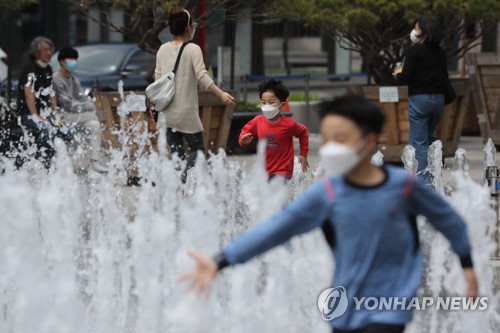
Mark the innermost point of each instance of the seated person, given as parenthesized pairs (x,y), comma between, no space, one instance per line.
(37,103)
(78,109)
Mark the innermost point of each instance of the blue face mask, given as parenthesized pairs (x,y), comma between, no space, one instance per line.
(71,65)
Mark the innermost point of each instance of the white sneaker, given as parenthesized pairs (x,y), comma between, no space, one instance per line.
(94,165)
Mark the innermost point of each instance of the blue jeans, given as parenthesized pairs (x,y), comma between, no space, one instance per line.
(43,133)
(424,112)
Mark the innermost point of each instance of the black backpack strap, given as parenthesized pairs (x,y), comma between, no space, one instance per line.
(327,227)
(179,56)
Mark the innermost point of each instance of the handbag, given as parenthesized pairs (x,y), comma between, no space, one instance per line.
(162,91)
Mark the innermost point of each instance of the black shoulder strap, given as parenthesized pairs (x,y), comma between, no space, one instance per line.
(179,56)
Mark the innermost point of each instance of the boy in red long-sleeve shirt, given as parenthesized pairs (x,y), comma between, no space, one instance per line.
(277,130)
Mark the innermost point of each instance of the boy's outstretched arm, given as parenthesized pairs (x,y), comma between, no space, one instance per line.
(247,133)
(471,279)
(202,275)
(302,134)
(304,163)
(246,139)
(304,214)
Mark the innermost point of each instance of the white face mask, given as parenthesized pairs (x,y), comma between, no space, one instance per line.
(270,111)
(41,63)
(337,159)
(414,36)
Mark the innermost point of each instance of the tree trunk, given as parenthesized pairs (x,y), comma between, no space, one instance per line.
(379,69)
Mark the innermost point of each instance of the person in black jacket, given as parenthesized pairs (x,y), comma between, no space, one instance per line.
(425,71)
(37,103)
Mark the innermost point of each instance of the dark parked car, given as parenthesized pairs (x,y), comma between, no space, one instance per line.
(103,65)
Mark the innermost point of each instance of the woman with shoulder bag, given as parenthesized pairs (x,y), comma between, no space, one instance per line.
(183,120)
(426,73)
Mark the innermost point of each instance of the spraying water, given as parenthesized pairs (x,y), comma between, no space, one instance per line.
(443,273)
(377,159)
(408,158)
(435,165)
(83,253)
(490,154)
(460,163)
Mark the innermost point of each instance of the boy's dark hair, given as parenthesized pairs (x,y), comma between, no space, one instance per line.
(430,31)
(277,87)
(366,115)
(179,20)
(67,52)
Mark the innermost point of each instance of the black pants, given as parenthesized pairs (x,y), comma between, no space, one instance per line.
(375,328)
(279,176)
(175,141)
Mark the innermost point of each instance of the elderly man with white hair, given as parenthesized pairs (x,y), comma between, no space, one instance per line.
(37,103)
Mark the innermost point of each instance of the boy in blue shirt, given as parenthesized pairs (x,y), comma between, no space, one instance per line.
(368,216)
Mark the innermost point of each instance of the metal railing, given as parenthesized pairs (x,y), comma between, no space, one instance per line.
(307,83)
(306,77)
(492,175)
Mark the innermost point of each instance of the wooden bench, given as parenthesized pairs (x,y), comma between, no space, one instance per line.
(484,73)
(396,133)
(129,130)
(215,117)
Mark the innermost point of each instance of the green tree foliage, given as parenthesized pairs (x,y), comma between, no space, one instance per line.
(145,19)
(379,29)
(16,4)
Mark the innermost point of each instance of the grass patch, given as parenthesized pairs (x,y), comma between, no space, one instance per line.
(242,106)
(300,96)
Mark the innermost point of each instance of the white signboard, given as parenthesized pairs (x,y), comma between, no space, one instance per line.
(388,94)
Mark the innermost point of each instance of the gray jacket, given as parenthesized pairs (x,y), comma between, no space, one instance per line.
(69,93)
